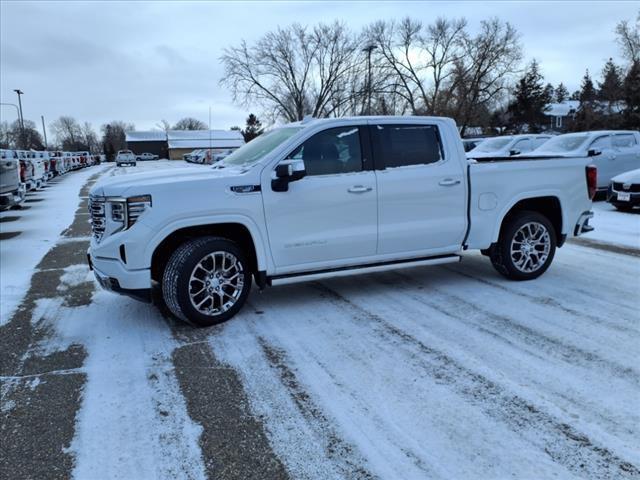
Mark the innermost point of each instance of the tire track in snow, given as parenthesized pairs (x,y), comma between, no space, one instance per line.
(551,346)
(338,450)
(563,443)
(547,301)
(449,308)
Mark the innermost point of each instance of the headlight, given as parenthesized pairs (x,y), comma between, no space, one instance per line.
(113,214)
(136,206)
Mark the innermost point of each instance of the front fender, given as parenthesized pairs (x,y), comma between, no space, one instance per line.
(254,230)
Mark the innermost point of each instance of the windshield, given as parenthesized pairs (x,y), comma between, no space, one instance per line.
(564,143)
(493,144)
(257,148)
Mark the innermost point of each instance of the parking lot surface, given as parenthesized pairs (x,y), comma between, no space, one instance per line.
(440,372)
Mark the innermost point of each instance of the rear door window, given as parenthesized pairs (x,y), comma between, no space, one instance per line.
(522,146)
(403,145)
(624,140)
(601,143)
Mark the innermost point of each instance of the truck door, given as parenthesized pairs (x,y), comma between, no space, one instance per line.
(330,215)
(422,200)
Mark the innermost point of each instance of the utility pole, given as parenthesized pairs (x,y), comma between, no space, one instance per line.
(22,139)
(44,130)
(369,48)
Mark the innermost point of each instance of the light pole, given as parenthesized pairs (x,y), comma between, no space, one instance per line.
(44,130)
(22,139)
(369,48)
(20,92)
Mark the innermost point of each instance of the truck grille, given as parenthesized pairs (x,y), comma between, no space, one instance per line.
(97,214)
(619,187)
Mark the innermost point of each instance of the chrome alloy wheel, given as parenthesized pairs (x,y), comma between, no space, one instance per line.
(216,283)
(530,247)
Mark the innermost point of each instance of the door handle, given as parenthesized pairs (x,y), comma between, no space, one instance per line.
(448,182)
(359,189)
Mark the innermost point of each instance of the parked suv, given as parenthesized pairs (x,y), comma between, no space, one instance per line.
(125,157)
(12,190)
(612,151)
(330,197)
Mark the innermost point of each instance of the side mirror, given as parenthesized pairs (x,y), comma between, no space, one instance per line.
(593,152)
(287,172)
(514,152)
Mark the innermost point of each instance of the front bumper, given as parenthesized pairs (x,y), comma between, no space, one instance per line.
(582,225)
(612,198)
(112,276)
(15,197)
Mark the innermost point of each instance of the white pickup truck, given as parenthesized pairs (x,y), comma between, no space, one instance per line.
(322,198)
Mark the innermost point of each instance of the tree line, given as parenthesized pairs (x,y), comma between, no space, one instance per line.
(411,67)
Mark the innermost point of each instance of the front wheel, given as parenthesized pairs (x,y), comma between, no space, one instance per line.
(525,248)
(206,281)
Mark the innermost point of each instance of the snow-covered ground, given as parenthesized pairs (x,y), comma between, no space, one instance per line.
(442,372)
(612,226)
(45,214)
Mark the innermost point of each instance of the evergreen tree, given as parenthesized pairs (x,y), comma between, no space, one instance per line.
(531,98)
(610,89)
(550,92)
(252,129)
(631,93)
(562,93)
(587,90)
(575,95)
(588,117)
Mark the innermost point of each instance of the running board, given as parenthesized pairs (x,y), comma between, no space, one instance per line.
(357,270)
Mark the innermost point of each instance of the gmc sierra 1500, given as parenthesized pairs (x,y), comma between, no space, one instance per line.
(322,198)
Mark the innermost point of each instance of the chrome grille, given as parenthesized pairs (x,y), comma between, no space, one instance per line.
(98,218)
(631,187)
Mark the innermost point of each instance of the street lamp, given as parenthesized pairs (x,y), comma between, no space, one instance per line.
(20,92)
(368,49)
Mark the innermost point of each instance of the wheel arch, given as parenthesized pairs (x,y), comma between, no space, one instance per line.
(547,205)
(231,230)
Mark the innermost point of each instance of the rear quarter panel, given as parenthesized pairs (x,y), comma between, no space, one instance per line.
(497,186)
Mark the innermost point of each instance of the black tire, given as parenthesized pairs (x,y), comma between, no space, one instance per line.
(500,252)
(176,284)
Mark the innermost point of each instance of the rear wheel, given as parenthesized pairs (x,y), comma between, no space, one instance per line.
(525,248)
(206,281)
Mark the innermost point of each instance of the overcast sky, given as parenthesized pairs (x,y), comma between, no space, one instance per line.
(146,61)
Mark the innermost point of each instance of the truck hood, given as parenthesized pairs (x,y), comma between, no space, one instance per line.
(149,182)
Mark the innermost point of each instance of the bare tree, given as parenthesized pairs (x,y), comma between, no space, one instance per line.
(629,39)
(190,123)
(483,73)
(418,59)
(89,138)
(67,132)
(163,125)
(295,71)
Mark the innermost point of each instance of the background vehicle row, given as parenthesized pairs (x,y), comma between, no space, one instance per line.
(24,170)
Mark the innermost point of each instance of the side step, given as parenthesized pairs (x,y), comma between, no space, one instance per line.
(357,270)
